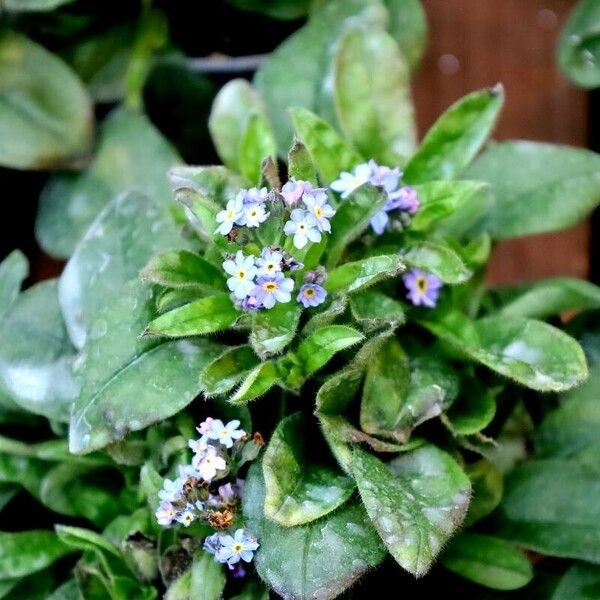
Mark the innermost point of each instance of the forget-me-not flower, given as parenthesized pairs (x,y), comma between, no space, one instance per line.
(273,289)
(240,546)
(423,288)
(242,272)
(269,262)
(311,294)
(166,513)
(318,206)
(303,226)
(230,216)
(225,434)
(348,182)
(207,463)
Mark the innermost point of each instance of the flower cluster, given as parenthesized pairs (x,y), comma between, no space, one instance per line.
(402,201)
(194,495)
(246,209)
(261,282)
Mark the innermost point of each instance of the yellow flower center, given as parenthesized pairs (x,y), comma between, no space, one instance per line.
(422,284)
(229,215)
(237,548)
(270,287)
(253,213)
(309,292)
(241,274)
(318,212)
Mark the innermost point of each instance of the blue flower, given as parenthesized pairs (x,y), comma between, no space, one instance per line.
(303,226)
(311,294)
(348,182)
(212,543)
(293,190)
(253,215)
(166,513)
(254,195)
(269,262)
(229,216)
(383,176)
(423,288)
(273,289)
(252,302)
(379,221)
(317,205)
(239,546)
(171,490)
(404,199)
(187,516)
(242,271)
(225,434)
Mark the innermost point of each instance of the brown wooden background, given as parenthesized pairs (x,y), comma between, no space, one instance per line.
(476,43)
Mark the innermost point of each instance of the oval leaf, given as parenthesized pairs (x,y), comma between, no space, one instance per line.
(439,259)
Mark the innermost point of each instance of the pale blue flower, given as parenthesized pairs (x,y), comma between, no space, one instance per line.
(311,294)
(171,490)
(208,463)
(273,289)
(242,271)
(212,543)
(229,216)
(269,262)
(254,195)
(317,205)
(166,513)
(348,182)
(405,199)
(293,190)
(379,221)
(240,546)
(252,302)
(423,288)
(187,516)
(225,434)
(383,176)
(303,226)
(253,215)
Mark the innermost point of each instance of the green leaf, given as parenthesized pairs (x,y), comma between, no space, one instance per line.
(232,107)
(396,400)
(579,47)
(374,310)
(278,9)
(299,491)
(207,315)
(572,429)
(256,145)
(182,269)
(114,249)
(488,561)
(317,560)
(329,152)
(130,381)
(408,24)
(223,373)
(440,199)
(258,382)
(530,352)
(532,199)
(354,276)
(208,577)
(439,259)
(456,137)
(300,165)
(319,348)
(29,552)
(327,316)
(416,502)
(488,487)
(580,582)
(36,355)
(253,591)
(547,508)
(131,153)
(352,218)
(274,329)
(551,297)
(85,539)
(384,392)
(46,118)
(473,411)
(213,182)
(33,5)
(67,591)
(372,96)
(13,271)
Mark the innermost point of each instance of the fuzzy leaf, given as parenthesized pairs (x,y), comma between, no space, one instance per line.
(530,352)
(473,411)
(488,561)
(131,153)
(258,382)
(46,118)
(130,381)
(372,96)
(297,490)
(456,137)
(416,502)
(532,199)
(300,165)
(274,329)
(207,315)
(352,218)
(438,259)
(36,354)
(182,269)
(236,101)
(580,582)
(13,271)
(256,144)
(208,577)
(353,276)
(114,249)
(488,488)
(317,561)
(373,310)
(329,152)
(223,373)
